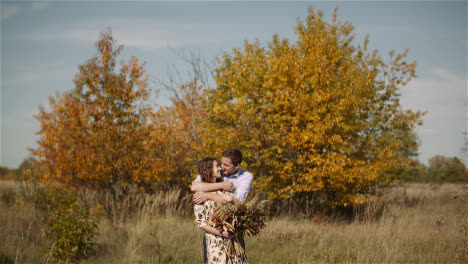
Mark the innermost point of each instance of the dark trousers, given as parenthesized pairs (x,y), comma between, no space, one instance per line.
(205,255)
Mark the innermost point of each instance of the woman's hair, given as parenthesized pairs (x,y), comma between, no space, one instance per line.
(205,168)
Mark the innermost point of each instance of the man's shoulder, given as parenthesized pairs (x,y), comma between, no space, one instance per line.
(244,174)
(198,179)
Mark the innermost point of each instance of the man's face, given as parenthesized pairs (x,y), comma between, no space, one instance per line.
(228,167)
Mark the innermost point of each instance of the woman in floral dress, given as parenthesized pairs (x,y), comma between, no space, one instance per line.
(217,243)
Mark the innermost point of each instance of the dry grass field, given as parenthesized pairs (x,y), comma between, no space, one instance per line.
(419,223)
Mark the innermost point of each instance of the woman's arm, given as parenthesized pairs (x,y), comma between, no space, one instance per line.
(199,186)
(216,232)
(230,197)
(201,197)
(200,219)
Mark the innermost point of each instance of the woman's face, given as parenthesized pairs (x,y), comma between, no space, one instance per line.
(216,170)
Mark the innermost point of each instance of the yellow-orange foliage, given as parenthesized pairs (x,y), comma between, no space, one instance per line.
(97,134)
(319,115)
(179,127)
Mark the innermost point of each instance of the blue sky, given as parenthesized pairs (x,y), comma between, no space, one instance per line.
(43,43)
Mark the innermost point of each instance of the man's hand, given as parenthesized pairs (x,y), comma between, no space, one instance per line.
(199,198)
(227,186)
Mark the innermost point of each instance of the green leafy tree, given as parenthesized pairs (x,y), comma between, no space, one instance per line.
(444,169)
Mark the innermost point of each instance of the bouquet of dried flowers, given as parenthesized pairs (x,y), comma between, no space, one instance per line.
(244,219)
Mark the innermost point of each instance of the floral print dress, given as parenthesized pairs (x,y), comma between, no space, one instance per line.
(216,246)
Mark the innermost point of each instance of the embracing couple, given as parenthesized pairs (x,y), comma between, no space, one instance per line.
(219,182)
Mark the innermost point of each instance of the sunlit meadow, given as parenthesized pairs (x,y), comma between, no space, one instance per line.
(419,223)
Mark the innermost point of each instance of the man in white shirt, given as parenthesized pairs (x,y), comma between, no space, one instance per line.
(235,179)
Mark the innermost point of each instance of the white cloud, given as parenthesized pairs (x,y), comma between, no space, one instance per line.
(445,90)
(46,74)
(141,33)
(40,5)
(444,97)
(8,11)
(56,33)
(11,10)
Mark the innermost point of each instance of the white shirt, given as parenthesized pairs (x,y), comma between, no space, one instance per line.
(242,182)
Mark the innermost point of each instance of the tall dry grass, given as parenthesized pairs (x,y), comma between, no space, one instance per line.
(20,234)
(410,223)
(420,223)
(121,204)
(417,223)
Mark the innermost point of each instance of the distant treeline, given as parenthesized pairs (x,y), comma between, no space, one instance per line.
(11,174)
(7,174)
(439,169)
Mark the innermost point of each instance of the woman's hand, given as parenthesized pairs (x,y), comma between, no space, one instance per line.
(228,197)
(199,198)
(226,234)
(216,232)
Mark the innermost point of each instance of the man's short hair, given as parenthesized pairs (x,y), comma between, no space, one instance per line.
(234,154)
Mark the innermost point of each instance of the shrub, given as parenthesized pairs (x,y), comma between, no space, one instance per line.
(69,227)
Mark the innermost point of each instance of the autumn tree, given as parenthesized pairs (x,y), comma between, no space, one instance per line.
(96,135)
(179,123)
(320,115)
